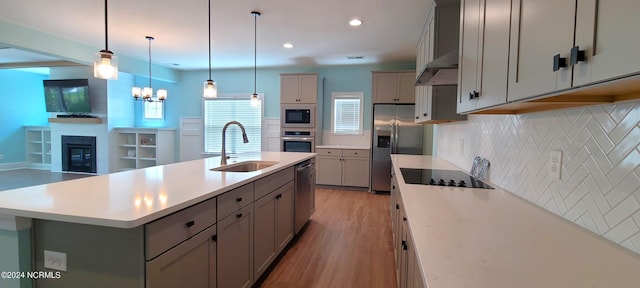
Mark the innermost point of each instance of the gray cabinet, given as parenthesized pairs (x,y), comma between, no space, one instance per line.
(235,249)
(571,45)
(190,264)
(343,167)
(393,87)
(484,65)
(298,88)
(273,228)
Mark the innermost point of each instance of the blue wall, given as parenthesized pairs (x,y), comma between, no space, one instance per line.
(187,100)
(21,103)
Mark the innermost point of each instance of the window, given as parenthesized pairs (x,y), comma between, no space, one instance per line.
(346,112)
(232,107)
(154,110)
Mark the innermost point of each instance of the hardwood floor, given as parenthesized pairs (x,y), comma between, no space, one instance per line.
(12,179)
(347,243)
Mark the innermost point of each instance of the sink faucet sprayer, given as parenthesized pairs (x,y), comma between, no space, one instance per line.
(223,161)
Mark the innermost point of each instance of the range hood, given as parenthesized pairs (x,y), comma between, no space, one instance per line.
(443,70)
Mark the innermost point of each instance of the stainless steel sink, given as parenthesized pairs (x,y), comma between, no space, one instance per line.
(245,166)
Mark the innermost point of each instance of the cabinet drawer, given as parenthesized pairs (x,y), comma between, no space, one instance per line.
(272,182)
(329,152)
(195,257)
(234,200)
(169,231)
(355,153)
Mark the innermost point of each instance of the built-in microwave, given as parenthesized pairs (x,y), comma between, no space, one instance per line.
(298,116)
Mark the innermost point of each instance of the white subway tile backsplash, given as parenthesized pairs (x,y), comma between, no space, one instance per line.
(600,185)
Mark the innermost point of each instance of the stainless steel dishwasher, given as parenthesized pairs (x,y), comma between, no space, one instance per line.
(305,193)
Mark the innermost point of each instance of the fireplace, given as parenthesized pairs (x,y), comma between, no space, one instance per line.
(79,154)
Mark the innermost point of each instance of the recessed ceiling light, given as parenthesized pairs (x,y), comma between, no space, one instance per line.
(287,45)
(355,22)
(355,57)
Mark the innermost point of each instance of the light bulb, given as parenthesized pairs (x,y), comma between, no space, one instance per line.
(135,92)
(162,94)
(147,92)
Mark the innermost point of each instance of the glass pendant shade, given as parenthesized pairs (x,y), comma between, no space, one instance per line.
(255,101)
(210,89)
(105,65)
(147,92)
(136,92)
(162,94)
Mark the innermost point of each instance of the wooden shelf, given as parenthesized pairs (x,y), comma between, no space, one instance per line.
(76,120)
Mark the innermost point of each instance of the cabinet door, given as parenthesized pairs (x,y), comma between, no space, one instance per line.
(470,53)
(235,249)
(495,48)
(264,244)
(190,264)
(289,89)
(308,92)
(329,170)
(540,29)
(385,88)
(608,32)
(284,216)
(406,88)
(355,171)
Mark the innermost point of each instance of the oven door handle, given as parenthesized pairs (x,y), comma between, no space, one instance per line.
(297,138)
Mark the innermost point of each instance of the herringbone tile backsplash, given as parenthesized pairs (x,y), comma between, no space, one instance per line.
(600,177)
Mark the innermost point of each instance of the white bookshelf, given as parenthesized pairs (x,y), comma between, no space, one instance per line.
(38,147)
(144,147)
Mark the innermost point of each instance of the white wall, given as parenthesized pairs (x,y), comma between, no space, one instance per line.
(600,185)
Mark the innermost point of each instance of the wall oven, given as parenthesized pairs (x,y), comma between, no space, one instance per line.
(298,141)
(298,116)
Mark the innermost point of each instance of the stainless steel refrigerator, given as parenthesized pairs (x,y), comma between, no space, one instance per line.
(394,132)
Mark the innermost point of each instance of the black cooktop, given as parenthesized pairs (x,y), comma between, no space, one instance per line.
(439,177)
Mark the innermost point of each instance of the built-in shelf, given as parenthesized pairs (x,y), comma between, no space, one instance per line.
(38,140)
(144,147)
(76,120)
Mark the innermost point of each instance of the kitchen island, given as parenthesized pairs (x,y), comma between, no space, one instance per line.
(113,227)
(490,238)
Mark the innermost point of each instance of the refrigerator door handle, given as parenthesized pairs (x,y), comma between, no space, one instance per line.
(394,136)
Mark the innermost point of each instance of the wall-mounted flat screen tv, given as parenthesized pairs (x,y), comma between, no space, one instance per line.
(69,95)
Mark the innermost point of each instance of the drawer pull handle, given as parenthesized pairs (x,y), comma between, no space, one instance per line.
(404,219)
(577,55)
(191,223)
(278,196)
(239,215)
(239,199)
(214,238)
(397,206)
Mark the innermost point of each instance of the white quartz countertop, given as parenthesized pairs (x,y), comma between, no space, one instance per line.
(132,198)
(357,147)
(484,238)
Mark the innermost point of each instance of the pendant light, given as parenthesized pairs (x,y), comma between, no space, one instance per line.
(254,97)
(210,87)
(105,64)
(146,93)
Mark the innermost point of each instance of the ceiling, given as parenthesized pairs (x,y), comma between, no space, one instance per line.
(318,29)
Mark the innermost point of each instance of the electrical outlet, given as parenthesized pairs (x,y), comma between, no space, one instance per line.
(555,164)
(55,260)
(461,147)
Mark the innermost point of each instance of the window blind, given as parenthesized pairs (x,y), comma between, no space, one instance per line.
(219,111)
(347,115)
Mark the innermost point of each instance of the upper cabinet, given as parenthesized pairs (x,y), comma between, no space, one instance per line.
(484,46)
(298,88)
(395,87)
(439,39)
(560,44)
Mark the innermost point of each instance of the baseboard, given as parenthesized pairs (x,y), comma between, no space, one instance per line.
(13,166)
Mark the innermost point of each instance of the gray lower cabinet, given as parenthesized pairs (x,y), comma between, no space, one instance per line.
(190,264)
(273,227)
(235,249)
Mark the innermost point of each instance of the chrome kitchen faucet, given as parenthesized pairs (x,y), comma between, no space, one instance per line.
(223,161)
